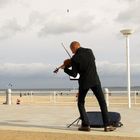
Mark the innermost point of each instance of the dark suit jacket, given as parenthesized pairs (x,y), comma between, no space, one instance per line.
(83,62)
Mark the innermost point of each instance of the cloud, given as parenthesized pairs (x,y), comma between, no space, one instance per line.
(127,0)
(49,23)
(105,68)
(38,75)
(135,69)
(3,3)
(22,70)
(33,75)
(116,69)
(115,74)
(60,23)
(109,69)
(10,28)
(130,16)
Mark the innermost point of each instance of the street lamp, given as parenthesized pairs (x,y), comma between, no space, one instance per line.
(127,33)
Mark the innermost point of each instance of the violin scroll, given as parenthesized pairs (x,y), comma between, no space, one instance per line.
(56,70)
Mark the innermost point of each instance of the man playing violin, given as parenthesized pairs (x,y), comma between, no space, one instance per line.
(83,62)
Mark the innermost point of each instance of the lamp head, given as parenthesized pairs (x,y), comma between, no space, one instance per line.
(127,32)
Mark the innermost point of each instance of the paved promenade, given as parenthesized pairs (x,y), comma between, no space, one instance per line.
(55,118)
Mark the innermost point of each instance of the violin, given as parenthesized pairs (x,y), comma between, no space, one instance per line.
(66,64)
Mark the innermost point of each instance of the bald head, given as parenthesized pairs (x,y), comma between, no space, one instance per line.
(74,46)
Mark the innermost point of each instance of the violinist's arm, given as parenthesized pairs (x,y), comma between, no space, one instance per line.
(71,72)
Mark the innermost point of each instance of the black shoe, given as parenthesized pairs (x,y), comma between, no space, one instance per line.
(109,128)
(84,128)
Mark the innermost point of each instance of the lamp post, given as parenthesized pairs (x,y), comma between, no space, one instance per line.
(127,33)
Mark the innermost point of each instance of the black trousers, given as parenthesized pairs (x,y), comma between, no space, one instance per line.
(97,90)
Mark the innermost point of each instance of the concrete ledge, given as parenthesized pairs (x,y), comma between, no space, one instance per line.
(58,135)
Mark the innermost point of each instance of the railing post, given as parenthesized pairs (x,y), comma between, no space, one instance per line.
(8,97)
(50,98)
(135,97)
(54,97)
(107,96)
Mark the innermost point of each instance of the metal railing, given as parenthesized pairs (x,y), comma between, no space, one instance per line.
(68,97)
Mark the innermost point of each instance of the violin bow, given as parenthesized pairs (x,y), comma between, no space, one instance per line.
(57,69)
(66,50)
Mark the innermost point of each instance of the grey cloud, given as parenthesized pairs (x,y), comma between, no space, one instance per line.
(33,75)
(37,18)
(135,69)
(10,28)
(23,70)
(4,3)
(77,23)
(50,23)
(116,74)
(127,0)
(117,69)
(41,75)
(105,68)
(131,14)
(109,69)
(60,23)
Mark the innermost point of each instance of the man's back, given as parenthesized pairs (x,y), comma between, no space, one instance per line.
(85,65)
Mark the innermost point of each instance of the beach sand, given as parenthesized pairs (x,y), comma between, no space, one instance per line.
(49,115)
(26,135)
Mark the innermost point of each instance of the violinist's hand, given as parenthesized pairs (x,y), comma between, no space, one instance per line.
(77,95)
(63,67)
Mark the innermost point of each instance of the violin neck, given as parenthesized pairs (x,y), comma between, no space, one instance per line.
(60,66)
(57,69)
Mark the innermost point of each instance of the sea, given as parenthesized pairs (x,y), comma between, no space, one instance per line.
(120,91)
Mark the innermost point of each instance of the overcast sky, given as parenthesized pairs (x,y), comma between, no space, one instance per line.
(31,33)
